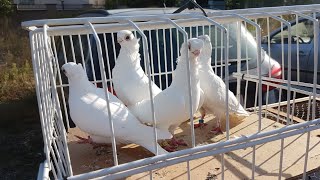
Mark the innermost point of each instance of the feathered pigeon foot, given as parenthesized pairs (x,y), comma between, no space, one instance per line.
(177,142)
(84,140)
(89,141)
(165,145)
(216,130)
(201,124)
(169,149)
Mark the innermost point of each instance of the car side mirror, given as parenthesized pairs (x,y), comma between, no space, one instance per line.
(264,40)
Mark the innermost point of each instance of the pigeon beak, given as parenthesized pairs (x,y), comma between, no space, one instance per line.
(196,52)
(201,38)
(119,40)
(63,70)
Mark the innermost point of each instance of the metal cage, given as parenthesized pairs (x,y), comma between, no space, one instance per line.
(243,40)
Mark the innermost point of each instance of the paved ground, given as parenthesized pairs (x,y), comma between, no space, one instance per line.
(21,143)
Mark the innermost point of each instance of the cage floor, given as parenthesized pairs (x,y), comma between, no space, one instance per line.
(237,163)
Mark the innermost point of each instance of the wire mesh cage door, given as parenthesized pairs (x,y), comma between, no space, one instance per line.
(54,134)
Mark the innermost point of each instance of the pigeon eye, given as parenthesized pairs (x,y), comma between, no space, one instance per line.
(127,38)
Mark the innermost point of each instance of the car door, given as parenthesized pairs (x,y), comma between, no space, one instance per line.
(301,45)
(311,64)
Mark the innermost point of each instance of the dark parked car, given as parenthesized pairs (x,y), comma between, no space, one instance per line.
(303,33)
(164,54)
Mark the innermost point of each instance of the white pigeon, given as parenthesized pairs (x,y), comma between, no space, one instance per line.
(172,104)
(88,110)
(215,90)
(130,82)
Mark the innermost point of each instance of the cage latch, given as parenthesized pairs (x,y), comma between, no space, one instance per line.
(190,5)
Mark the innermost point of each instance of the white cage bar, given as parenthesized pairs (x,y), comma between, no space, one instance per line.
(237,37)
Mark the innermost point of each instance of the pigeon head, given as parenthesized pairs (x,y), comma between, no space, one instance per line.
(207,48)
(194,46)
(73,70)
(126,39)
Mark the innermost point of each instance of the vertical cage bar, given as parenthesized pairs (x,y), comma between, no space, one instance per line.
(314,90)
(60,83)
(258,40)
(188,167)
(215,49)
(185,35)
(104,83)
(91,60)
(247,68)
(72,48)
(238,59)
(65,61)
(282,21)
(269,67)
(108,61)
(148,68)
(81,53)
(159,62)
(151,55)
(165,56)
(171,47)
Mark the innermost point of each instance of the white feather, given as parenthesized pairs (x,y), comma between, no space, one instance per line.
(130,82)
(88,110)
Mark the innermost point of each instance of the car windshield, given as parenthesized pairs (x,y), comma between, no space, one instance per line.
(302,31)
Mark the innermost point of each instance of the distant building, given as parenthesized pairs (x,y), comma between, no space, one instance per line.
(59,4)
(216,4)
(93,2)
(268,3)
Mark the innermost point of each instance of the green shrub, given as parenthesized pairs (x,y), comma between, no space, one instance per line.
(5,7)
(16,82)
(16,76)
